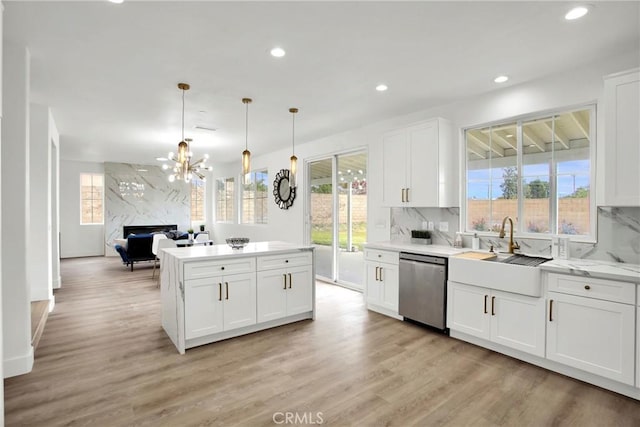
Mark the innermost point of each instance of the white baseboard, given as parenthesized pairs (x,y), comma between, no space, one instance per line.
(52,303)
(18,365)
(57,282)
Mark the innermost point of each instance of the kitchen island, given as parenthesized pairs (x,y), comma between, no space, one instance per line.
(211,293)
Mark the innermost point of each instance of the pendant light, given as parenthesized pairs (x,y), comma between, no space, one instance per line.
(246,154)
(184,168)
(294,159)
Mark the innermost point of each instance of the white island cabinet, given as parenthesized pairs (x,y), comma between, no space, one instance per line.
(211,293)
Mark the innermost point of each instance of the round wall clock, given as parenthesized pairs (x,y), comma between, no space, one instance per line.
(283,193)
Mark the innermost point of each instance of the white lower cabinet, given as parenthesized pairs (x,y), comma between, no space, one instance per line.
(382,285)
(593,335)
(219,303)
(284,292)
(512,320)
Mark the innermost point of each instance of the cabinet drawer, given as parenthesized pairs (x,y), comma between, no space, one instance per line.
(603,289)
(202,269)
(285,260)
(390,257)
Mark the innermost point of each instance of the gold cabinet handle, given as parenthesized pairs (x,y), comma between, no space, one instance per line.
(550,310)
(381,278)
(290,280)
(284,278)
(587,287)
(493,306)
(219,291)
(404,194)
(407,195)
(227,286)
(485,304)
(377,274)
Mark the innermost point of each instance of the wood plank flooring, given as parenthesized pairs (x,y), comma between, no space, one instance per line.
(104,360)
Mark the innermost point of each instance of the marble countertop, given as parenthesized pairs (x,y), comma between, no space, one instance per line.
(435,250)
(594,268)
(197,253)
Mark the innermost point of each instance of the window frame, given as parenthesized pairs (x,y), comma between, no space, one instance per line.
(92,175)
(233,200)
(241,199)
(202,201)
(591,237)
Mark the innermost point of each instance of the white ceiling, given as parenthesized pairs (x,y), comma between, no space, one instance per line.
(109,72)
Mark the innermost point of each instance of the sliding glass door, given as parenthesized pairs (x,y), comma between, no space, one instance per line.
(338,216)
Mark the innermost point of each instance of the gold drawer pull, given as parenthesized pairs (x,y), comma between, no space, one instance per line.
(551,310)
(284,276)
(485,304)
(587,287)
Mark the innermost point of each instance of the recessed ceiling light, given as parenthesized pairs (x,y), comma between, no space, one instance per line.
(576,12)
(501,79)
(161,159)
(142,170)
(509,136)
(381,87)
(116,1)
(278,52)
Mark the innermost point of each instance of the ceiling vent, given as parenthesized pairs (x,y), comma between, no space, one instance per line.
(205,127)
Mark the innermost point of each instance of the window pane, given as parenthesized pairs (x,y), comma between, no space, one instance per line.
(225,192)
(91,195)
(255,198)
(573,174)
(538,142)
(478,182)
(504,175)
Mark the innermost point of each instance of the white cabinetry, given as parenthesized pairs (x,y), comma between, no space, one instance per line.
(382,278)
(622,136)
(219,303)
(592,332)
(419,165)
(515,321)
(219,296)
(285,285)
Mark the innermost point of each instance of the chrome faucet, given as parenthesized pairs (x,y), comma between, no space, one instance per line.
(512,245)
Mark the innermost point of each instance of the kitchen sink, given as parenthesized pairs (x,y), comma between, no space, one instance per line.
(514,273)
(518,259)
(529,261)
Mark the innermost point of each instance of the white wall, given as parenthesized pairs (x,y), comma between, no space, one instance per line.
(77,240)
(42,132)
(571,88)
(1,333)
(16,321)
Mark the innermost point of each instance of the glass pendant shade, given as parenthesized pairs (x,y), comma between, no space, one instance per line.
(246,162)
(293,169)
(246,154)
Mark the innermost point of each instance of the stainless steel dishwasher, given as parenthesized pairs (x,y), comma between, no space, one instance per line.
(423,289)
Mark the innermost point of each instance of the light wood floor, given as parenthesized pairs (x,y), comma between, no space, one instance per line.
(104,360)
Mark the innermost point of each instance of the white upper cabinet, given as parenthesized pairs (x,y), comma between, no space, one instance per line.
(420,166)
(622,139)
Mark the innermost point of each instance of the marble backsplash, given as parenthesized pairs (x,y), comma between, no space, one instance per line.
(618,235)
(142,195)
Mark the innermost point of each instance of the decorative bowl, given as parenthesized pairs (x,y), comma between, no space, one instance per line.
(237,242)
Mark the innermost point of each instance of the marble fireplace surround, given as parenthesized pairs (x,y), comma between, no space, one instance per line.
(142,195)
(618,234)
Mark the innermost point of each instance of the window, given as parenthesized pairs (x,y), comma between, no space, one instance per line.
(197,200)
(225,195)
(91,195)
(538,171)
(254,198)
